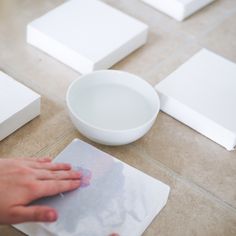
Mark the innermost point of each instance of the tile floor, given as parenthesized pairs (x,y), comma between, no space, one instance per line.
(202,175)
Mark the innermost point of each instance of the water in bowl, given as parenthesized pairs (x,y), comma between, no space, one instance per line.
(112,107)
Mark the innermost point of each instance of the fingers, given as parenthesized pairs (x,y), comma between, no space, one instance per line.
(44,159)
(54,187)
(58,175)
(31,159)
(21,214)
(44,163)
(51,166)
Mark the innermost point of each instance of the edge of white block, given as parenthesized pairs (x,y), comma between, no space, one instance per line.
(58,50)
(197,121)
(77,61)
(195,6)
(122,52)
(20,117)
(177,10)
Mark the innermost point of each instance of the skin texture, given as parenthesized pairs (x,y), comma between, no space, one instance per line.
(25,180)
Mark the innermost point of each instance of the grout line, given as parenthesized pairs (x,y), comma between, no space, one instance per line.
(214,26)
(211,196)
(50,146)
(195,38)
(34,85)
(178,51)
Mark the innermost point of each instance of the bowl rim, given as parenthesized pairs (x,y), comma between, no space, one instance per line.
(153,117)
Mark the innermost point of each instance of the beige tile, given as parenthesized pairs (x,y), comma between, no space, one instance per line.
(143,12)
(229,6)
(15,15)
(191,155)
(158,72)
(9,231)
(159,47)
(222,39)
(190,209)
(190,213)
(195,26)
(37,70)
(202,21)
(39,133)
(50,79)
(206,19)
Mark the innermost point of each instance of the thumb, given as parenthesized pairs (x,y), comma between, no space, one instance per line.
(33,213)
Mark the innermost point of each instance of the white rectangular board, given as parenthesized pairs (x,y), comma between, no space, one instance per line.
(119,199)
(202,94)
(87,35)
(18,105)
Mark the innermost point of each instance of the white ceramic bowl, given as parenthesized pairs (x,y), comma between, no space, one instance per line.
(112,107)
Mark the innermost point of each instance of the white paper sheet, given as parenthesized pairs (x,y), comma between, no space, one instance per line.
(118,198)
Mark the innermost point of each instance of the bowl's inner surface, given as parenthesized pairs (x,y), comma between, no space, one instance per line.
(112,106)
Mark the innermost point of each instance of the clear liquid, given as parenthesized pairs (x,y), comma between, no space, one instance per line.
(112,107)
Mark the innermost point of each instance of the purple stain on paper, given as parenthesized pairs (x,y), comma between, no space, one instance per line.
(86,175)
(85,178)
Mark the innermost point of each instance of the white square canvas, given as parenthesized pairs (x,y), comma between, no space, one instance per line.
(202,94)
(119,199)
(178,9)
(87,35)
(18,105)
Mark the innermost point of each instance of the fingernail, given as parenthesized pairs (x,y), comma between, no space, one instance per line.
(68,165)
(51,216)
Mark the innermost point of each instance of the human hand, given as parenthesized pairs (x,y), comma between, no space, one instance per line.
(25,180)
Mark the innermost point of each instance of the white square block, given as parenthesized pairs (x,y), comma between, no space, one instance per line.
(178,9)
(87,35)
(118,199)
(202,94)
(18,105)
